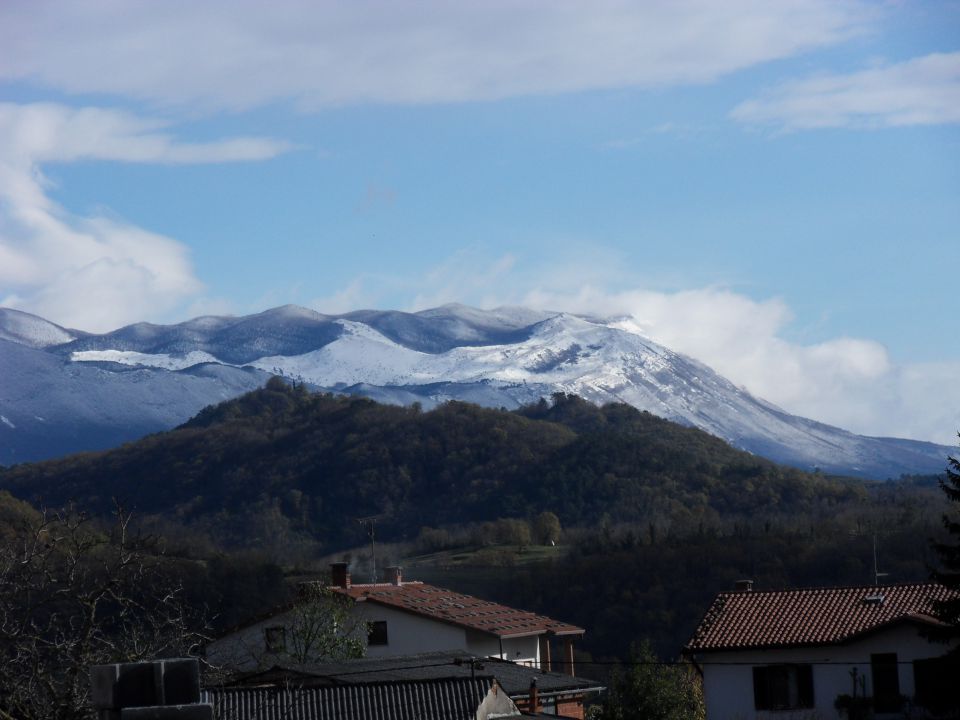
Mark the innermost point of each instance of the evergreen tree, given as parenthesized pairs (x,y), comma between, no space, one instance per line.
(949,574)
(650,690)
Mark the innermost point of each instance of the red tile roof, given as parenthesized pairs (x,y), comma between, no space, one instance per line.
(812,616)
(459,609)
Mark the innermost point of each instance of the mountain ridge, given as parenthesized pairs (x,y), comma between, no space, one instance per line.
(503,357)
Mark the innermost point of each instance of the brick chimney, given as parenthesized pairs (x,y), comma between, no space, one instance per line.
(741,586)
(395,575)
(340,574)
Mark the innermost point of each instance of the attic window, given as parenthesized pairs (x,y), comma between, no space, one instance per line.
(876,599)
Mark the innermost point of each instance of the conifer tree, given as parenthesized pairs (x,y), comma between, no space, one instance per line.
(949,573)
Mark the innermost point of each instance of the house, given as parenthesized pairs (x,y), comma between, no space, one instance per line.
(398,617)
(466,698)
(531,689)
(806,652)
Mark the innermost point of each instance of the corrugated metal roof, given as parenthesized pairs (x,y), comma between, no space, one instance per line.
(810,616)
(512,677)
(448,699)
(459,609)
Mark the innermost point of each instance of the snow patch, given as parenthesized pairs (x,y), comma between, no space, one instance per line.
(129,357)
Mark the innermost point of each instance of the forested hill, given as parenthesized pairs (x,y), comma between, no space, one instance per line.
(309,464)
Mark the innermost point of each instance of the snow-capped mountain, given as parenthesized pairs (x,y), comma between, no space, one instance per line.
(151,377)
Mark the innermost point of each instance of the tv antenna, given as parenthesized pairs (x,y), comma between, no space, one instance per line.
(876,572)
(371,525)
(876,563)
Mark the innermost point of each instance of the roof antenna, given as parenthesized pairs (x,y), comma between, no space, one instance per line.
(876,573)
(371,523)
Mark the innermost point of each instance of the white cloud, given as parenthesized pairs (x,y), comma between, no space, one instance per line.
(922,91)
(355,296)
(466,274)
(92,273)
(244,53)
(848,382)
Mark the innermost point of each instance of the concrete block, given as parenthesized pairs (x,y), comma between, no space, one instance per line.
(137,685)
(162,682)
(181,681)
(169,712)
(103,679)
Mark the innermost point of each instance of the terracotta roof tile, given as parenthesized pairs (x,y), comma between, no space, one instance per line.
(459,609)
(810,616)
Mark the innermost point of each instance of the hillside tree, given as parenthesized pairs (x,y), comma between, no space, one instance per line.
(650,690)
(948,574)
(74,595)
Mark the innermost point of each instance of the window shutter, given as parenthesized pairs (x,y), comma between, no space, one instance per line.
(805,686)
(761,698)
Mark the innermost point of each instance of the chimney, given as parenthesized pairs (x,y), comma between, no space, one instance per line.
(340,574)
(395,575)
(742,586)
(534,700)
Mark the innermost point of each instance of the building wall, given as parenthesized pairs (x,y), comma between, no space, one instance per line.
(407,634)
(519,650)
(728,676)
(245,649)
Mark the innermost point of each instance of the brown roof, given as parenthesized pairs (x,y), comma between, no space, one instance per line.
(459,609)
(811,616)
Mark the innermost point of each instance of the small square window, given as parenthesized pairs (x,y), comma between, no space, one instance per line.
(275,638)
(783,687)
(377,633)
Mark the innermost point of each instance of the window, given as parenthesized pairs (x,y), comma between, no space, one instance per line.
(783,687)
(886,682)
(377,633)
(275,638)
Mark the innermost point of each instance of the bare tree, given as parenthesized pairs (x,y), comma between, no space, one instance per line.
(322,627)
(321,624)
(73,595)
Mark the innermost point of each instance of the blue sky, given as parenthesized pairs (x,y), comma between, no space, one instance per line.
(773,188)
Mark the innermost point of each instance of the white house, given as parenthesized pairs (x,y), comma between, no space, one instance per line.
(792,653)
(406,618)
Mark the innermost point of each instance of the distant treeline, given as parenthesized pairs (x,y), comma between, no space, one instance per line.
(283,468)
(655,517)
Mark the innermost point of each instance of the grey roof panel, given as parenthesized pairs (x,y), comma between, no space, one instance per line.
(447,699)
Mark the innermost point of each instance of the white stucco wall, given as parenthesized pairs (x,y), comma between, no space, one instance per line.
(245,649)
(728,676)
(519,650)
(408,633)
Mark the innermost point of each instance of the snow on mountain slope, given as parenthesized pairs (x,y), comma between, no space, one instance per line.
(603,364)
(54,407)
(30,330)
(505,357)
(129,357)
